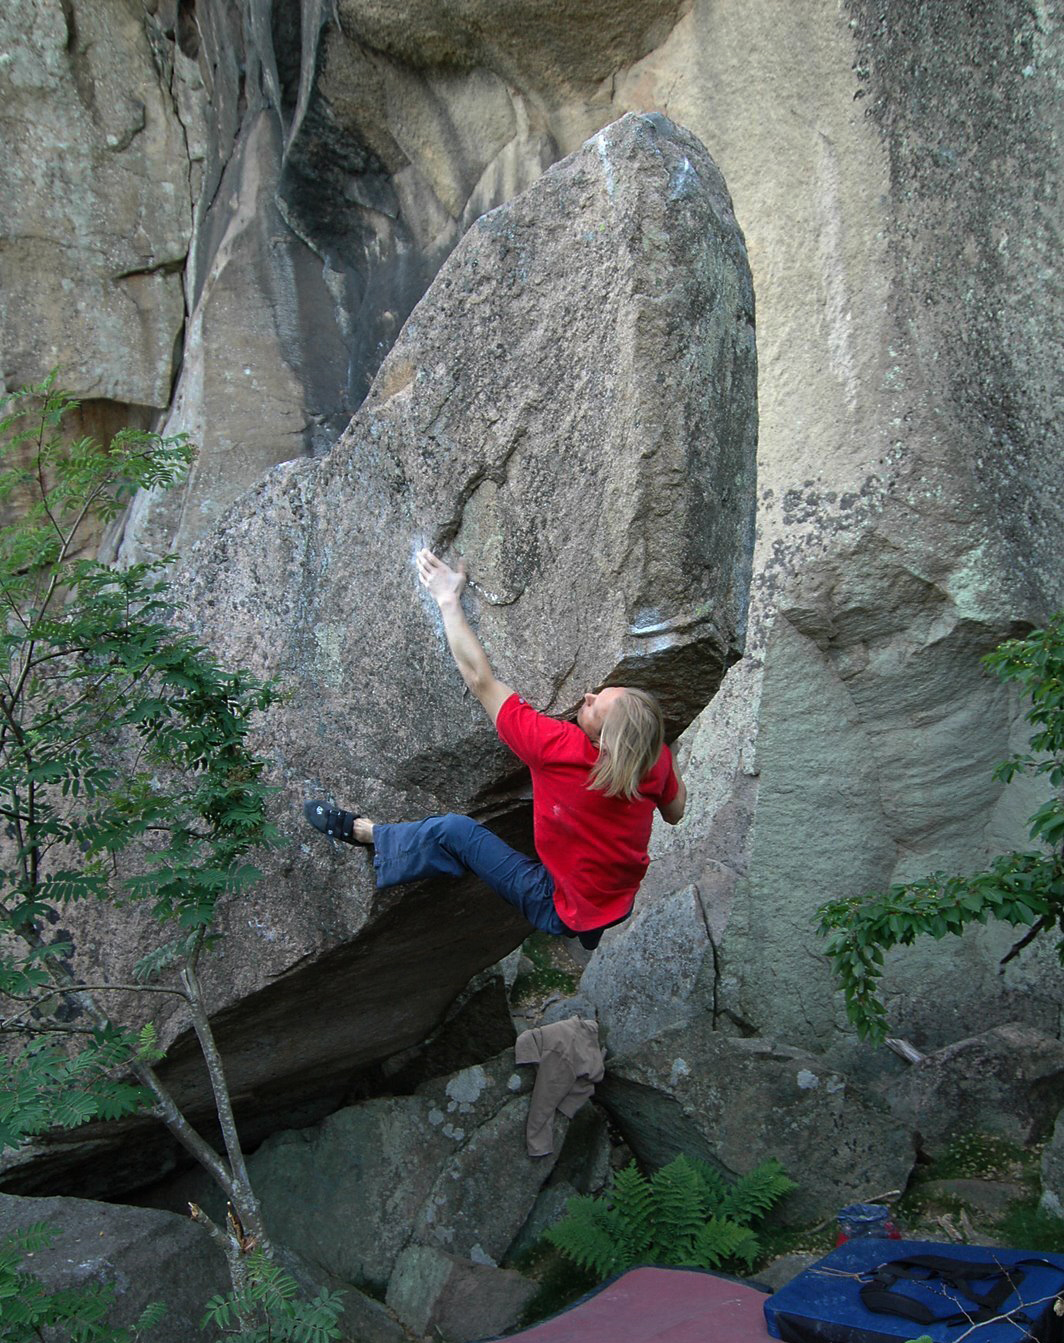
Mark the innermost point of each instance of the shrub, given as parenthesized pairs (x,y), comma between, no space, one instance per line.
(1024,889)
(686,1215)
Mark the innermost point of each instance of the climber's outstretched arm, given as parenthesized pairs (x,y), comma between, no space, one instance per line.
(445,585)
(673,811)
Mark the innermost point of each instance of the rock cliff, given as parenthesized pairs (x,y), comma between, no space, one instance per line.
(572,405)
(305,174)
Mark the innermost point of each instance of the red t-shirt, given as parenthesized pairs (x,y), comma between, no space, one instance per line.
(594,846)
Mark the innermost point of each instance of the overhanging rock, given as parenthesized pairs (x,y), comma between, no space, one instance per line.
(571,407)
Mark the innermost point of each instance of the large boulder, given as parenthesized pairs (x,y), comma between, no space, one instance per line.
(1008,1081)
(572,407)
(145,1254)
(445,1167)
(421,1198)
(736,1102)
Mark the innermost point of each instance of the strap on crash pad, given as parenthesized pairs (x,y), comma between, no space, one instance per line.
(959,1275)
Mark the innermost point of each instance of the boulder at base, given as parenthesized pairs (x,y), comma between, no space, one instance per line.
(1009,1081)
(737,1102)
(147,1255)
(435,1294)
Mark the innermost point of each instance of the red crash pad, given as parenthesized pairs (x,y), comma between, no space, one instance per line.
(659,1305)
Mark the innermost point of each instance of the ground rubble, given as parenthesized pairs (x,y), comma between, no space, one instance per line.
(423,1206)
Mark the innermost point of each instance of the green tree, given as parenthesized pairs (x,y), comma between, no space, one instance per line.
(1020,888)
(126,776)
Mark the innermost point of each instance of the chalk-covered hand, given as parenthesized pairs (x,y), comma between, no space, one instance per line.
(443,582)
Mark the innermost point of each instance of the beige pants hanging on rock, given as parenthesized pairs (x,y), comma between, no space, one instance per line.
(570,1063)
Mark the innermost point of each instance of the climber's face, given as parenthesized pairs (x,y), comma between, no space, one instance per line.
(592,712)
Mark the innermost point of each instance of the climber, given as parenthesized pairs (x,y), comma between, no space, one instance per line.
(595,786)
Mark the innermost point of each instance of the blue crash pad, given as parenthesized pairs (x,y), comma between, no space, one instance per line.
(823,1304)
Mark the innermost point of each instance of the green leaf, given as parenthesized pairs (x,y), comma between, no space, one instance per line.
(1018,888)
(127,769)
(687,1215)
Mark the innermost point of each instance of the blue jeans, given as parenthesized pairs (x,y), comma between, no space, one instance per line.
(453,845)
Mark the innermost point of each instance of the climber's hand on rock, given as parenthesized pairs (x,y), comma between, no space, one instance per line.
(443,582)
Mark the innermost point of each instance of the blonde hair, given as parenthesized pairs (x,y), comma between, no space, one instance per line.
(632,736)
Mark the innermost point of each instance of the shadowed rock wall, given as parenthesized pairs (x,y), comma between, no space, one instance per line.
(343,154)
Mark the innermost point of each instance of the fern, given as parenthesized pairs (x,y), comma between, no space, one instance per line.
(268,1309)
(633,1214)
(686,1216)
(753,1194)
(722,1241)
(715,1185)
(30,1312)
(589,1236)
(679,1211)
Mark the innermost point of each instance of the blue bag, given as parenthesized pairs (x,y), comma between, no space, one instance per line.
(877,1291)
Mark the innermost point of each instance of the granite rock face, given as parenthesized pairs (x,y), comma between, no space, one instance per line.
(901,232)
(895,186)
(421,1197)
(572,408)
(146,1254)
(908,513)
(523,420)
(445,1167)
(1008,1081)
(95,202)
(738,1102)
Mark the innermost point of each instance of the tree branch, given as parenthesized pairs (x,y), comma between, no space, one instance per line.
(1007,1315)
(166,1108)
(7,1022)
(247,1202)
(1039,926)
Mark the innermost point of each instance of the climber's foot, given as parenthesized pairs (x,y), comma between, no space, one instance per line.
(346,826)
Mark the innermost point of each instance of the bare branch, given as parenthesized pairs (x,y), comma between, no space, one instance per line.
(223,1103)
(231,1246)
(89,988)
(1039,926)
(12,1027)
(1006,1315)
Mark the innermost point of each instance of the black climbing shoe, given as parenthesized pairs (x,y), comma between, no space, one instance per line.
(332,821)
